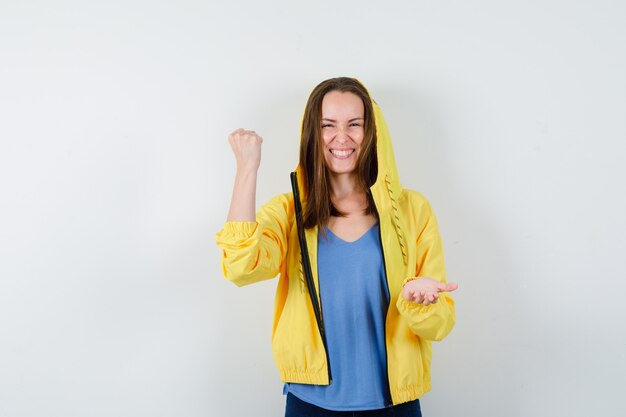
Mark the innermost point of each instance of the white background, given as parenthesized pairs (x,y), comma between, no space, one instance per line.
(115,174)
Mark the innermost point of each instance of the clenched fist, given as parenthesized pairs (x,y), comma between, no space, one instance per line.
(246,145)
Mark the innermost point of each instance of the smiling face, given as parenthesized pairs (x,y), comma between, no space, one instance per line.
(338,151)
(342,127)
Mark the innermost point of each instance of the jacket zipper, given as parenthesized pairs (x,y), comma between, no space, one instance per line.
(388,400)
(308,274)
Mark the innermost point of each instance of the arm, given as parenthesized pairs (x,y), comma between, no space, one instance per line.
(246,145)
(253,246)
(424,302)
(253,251)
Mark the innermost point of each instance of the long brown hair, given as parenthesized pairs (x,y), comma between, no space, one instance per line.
(319,207)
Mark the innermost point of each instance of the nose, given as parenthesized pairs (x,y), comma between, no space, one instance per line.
(342,134)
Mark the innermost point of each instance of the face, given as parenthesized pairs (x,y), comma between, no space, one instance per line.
(342,130)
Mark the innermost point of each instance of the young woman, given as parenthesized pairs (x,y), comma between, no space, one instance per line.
(362,289)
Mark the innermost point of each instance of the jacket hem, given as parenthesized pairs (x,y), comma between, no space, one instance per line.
(410,393)
(299,377)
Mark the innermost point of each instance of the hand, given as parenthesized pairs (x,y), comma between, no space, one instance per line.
(425,290)
(246,145)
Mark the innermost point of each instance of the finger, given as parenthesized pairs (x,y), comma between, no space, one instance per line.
(254,137)
(429,298)
(236,135)
(441,287)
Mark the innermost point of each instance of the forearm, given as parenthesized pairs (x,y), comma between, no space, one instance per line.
(243,201)
(432,322)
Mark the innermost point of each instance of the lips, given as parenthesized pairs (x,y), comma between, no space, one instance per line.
(341,153)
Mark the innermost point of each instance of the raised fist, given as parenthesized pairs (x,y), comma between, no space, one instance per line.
(246,145)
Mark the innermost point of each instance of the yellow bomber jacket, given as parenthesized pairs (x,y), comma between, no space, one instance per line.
(412,247)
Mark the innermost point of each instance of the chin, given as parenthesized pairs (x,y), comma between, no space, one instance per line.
(341,170)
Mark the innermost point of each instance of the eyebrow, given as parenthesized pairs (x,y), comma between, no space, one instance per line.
(351,120)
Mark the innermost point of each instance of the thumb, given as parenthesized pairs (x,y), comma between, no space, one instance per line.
(441,287)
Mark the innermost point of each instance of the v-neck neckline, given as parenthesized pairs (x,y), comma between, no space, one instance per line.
(351,241)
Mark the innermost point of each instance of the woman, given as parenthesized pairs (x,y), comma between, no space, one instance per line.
(362,290)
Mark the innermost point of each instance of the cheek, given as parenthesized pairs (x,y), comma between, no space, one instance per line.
(358,138)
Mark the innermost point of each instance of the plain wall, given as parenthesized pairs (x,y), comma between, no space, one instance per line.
(115,174)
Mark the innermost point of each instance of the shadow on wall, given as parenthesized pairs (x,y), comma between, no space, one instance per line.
(477,360)
(241,322)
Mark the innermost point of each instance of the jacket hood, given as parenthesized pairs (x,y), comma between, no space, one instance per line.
(387,189)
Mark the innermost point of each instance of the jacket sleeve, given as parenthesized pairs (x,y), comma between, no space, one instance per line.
(254,251)
(435,321)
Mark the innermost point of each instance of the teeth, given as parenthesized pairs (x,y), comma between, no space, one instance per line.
(341,154)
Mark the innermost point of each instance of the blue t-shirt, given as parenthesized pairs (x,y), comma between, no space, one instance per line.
(354,294)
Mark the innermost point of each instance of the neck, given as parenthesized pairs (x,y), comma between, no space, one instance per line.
(347,196)
(344,185)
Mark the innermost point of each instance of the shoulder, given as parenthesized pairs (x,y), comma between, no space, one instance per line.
(415,201)
(416,210)
(279,207)
(284,200)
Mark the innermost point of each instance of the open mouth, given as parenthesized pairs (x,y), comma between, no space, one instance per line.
(342,153)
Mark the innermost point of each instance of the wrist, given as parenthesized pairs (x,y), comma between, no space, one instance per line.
(247,170)
(407,280)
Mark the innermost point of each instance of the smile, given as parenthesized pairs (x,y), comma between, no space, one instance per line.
(341,153)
